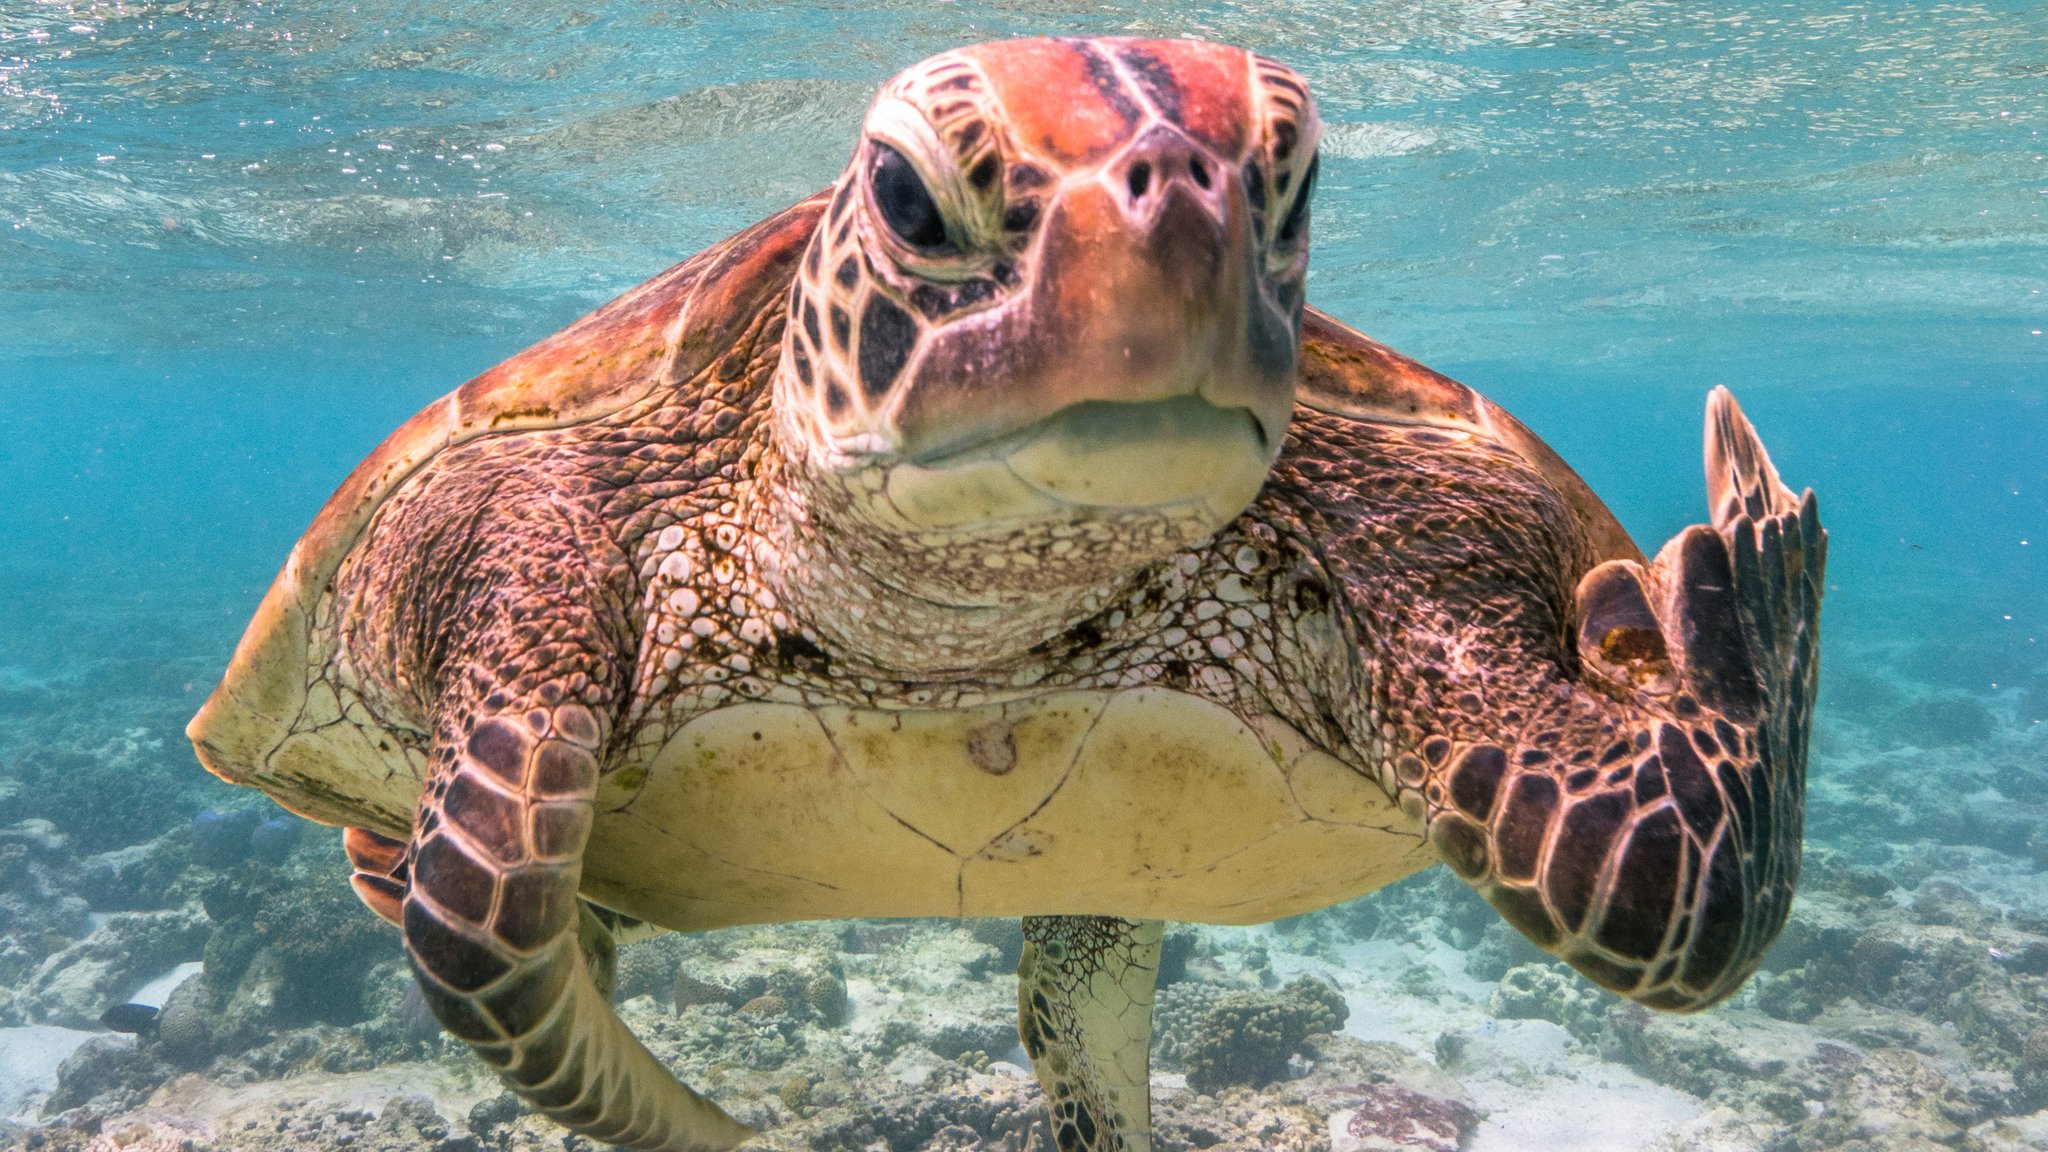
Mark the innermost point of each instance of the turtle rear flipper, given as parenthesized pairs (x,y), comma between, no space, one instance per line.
(1645,826)
(1084,1009)
(379,876)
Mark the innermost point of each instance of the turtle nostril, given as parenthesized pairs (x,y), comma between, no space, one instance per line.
(1139,178)
(1198,170)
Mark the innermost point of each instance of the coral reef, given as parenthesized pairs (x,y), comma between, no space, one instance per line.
(287,944)
(38,918)
(1243,1036)
(125,789)
(110,1072)
(73,986)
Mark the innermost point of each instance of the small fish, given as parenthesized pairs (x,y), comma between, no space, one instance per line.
(138,1019)
(1999,954)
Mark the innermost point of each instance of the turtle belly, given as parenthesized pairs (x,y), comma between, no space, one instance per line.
(1144,803)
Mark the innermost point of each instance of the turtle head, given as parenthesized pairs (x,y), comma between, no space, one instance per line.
(1058,288)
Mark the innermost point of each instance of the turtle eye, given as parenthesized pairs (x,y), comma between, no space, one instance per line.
(906,204)
(1297,215)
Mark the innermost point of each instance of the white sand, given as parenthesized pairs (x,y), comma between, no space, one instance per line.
(29,1057)
(155,992)
(1540,1094)
(1539,1091)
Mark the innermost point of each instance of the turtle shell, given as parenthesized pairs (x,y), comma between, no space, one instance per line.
(660,334)
(1346,373)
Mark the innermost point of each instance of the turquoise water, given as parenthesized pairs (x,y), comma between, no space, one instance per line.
(241,241)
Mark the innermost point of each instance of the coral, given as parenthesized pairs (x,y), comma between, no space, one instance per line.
(184,1032)
(796,1093)
(1429,906)
(39,836)
(1789,995)
(1176,948)
(139,876)
(716,1033)
(1257,960)
(401,1123)
(648,968)
(1941,720)
(493,1113)
(807,984)
(412,1018)
(109,1073)
(317,931)
(2030,1078)
(412,1116)
(689,992)
(75,985)
(985,1114)
(37,918)
(960,1030)
(1296,1115)
(1697,1054)
(125,790)
(220,836)
(1550,991)
(1005,935)
(1392,1117)
(1897,1097)
(315,940)
(1237,1122)
(1852,691)
(826,995)
(1499,949)
(159,1134)
(877,935)
(272,841)
(1245,1037)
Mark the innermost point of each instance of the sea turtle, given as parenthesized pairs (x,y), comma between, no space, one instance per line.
(997,533)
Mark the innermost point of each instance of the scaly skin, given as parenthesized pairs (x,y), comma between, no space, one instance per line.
(897,477)
(1084,1009)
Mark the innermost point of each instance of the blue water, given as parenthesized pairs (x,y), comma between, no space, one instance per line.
(240,241)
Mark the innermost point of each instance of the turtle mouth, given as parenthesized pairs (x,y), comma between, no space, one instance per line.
(1178,455)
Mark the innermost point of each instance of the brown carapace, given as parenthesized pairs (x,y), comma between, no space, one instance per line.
(999,533)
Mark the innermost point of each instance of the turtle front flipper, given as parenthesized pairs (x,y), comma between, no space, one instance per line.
(1644,825)
(506,616)
(380,882)
(502,945)
(1084,1009)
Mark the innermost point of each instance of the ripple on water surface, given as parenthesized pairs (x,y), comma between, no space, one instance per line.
(200,172)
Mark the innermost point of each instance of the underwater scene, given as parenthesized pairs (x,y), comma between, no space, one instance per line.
(242,241)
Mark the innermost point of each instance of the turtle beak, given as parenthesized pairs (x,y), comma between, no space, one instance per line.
(1145,288)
